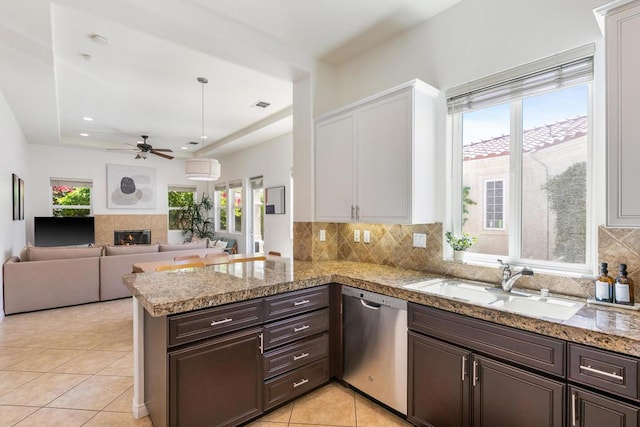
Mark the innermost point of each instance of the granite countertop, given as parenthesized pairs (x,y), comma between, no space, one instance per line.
(172,292)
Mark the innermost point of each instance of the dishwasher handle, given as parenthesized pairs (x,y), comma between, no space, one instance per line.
(370,305)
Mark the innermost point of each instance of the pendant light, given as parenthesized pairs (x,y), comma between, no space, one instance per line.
(201,169)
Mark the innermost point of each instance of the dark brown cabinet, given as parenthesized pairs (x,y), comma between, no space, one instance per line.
(439,383)
(202,391)
(470,380)
(593,410)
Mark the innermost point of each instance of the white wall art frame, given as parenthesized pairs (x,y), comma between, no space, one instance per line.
(131,187)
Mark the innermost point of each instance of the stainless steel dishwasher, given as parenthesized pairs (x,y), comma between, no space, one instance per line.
(375,346)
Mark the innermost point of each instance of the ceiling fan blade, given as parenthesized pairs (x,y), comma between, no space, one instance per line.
(163,149)
(122,149)
(166,156)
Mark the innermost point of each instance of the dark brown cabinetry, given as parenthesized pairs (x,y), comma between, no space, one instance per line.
(296,343)
(594,410)
(484,375)
(224,365)
(607,373)
(202,393)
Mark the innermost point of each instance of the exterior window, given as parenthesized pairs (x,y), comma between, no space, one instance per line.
(235,191)
(70,197)
(220,200)
(179,198)
(522,170)
(494,205)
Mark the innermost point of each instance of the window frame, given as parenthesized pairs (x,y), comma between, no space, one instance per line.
(513,224)
(485,181)
(73,183)
(219,188)
(178,189)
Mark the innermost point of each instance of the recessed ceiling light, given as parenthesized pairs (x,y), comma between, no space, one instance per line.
(87,119)
(84,134)
(184,148)
(98,39)
(204,137)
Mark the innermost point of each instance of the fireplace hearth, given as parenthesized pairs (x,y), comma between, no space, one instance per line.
(132,237)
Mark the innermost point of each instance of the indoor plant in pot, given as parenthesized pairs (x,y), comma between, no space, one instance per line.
(459,244)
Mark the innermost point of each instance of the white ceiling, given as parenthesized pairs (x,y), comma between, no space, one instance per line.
(144,80)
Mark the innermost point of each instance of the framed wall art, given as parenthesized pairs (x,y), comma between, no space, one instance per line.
(131,187)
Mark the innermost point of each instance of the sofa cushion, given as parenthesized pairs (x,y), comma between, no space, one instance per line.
(218,244)
(36,253)
(200,244)
(130,249)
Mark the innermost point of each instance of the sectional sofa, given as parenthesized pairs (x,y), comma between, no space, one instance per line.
(46,277)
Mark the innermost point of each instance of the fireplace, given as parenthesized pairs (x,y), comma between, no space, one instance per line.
(132,237)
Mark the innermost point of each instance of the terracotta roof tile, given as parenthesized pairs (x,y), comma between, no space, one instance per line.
(534,139)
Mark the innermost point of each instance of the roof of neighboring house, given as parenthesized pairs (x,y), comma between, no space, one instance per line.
(534,139)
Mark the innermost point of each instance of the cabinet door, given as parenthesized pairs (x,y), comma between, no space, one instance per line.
(510,397)
(592,410)
(334,169)
(384,159)
(438,383)
(218,382)
(623,110)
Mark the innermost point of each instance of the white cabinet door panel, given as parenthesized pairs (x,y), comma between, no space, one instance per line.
(334,173)
(384,160)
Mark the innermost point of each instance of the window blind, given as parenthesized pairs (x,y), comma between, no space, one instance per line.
(235,184)
(70,182)
(182,189)
(570,68)
(220,187)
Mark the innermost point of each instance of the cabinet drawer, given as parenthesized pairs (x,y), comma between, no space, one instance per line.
(290,357)
(286,387)
(604,370)
(210,322)
(297,302)
(286,331)
(536,351)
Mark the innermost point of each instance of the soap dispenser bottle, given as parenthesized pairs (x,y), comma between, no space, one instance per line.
(604,285)
(624,287)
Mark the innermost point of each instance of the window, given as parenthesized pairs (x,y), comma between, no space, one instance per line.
(494,205)
(235,191)
(70,197)
(521,150)
(179,198)
(220,201)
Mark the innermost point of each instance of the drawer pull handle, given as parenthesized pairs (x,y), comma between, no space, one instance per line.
(302,356)
(299,383)
(220,322)
(304,301)
(301,328)
(598,371)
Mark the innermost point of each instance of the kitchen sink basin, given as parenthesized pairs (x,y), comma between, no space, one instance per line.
(491,296)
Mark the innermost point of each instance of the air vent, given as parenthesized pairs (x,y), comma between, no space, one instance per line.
(193,143)
(261,104)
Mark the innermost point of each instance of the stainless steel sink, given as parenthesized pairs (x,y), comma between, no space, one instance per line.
(487,295)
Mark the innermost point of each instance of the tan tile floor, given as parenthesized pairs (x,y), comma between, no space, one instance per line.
(74,367)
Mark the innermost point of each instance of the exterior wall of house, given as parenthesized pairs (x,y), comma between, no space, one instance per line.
(538,220)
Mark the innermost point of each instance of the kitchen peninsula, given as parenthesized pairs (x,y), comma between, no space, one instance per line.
(159,297)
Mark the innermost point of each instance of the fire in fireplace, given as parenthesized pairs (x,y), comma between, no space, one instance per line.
(132,237)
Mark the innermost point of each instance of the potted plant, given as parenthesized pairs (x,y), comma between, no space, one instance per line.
(459,244)
(195,219)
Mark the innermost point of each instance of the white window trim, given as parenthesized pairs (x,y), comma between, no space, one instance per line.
(216,208)
(454,207)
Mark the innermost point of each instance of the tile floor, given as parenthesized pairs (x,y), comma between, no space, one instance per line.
(74,367)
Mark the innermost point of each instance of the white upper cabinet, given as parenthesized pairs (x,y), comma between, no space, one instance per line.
(622,38)
(375,159)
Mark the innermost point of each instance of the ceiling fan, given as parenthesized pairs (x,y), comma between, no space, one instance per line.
(143,149)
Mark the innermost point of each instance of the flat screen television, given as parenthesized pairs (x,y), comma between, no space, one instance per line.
(63,231)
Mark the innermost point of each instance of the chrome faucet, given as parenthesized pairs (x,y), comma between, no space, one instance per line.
(509,278)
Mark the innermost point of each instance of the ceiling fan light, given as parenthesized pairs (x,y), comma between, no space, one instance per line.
(202,169)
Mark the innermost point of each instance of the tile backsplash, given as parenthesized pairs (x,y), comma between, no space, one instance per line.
(392,245)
